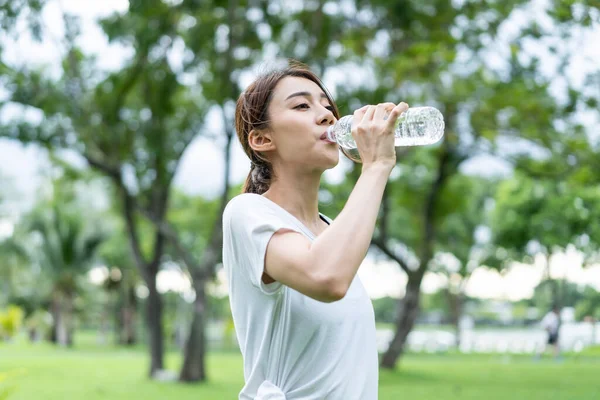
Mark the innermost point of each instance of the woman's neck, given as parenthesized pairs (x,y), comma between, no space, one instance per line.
(299,195)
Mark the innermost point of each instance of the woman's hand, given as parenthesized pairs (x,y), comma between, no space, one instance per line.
(373,131)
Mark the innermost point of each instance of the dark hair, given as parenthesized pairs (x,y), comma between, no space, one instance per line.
(251,112)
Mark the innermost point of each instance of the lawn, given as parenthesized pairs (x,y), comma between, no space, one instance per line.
(92,372)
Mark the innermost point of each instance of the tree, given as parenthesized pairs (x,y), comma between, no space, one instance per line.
(570,294)
(588,305)
(459,252)
(66,249)
(12,255)
(13,258)
(417,60)
(134,125)
(538,217)
(198,224)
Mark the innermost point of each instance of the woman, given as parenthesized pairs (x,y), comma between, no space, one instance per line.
(303,320)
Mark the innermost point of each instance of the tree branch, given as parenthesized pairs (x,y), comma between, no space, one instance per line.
(171,235)
(379,242)
(113,172)
(129,207)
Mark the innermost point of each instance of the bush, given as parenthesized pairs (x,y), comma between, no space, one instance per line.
(38,324)
(10,322)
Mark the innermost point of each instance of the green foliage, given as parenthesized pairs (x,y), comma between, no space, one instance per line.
(67,246)
(589,305)
(437,301)
(520,311)
(385,309)
(39,321)
(462,209)
(218,308)
(545,295)
(553,214)
(13,264)
(12,10)
(11,321)
(194,218)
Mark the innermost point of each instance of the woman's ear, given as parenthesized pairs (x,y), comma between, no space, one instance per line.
(260,141)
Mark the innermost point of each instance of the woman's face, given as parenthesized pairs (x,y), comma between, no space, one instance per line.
(299,115)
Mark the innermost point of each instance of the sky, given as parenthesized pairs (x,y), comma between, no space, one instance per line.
(199,170)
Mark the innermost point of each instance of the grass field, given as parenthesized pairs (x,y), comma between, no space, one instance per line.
(91,372)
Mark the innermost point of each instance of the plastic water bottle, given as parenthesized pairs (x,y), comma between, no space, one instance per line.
(416,126)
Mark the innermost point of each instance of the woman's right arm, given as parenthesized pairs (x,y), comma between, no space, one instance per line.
(324,269)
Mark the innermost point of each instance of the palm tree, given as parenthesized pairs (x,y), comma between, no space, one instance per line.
(66,251)
(12,257)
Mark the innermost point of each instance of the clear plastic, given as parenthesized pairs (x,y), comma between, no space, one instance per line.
(418,126)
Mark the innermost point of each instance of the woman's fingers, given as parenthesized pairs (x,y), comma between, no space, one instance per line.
(395,113)
(358,115)
(365,116)
(369,114)
(382,110)
(372,129)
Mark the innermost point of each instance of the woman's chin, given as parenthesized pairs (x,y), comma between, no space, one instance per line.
(324,160)
(323,165)
(333,162)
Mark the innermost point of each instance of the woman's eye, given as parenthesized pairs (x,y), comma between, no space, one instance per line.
(305,106)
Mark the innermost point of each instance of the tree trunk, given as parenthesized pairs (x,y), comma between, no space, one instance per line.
(104,325)
(34,335)
(54,310)
(194,368)
(116,316)
(61,326)
(61,313)
(408,307)
(455,304)
(69,319)
(61,332)
(457,317)
(128,333)
(153,321)
(408,310)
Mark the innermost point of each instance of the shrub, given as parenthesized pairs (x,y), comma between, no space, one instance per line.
(10,322)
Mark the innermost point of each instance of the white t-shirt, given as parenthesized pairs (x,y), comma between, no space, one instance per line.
(550,322)
(294,347)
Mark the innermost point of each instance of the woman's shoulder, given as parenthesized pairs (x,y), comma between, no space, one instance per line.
(242,201)
(245,204)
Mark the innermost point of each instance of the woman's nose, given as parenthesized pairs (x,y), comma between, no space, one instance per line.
(328,118)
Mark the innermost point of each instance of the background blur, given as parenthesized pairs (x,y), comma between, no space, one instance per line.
(118,154)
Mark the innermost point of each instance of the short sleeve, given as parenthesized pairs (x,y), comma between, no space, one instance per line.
(248,225)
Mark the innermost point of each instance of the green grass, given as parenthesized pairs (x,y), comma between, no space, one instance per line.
(91,372)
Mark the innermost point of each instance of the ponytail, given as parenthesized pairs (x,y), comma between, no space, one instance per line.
(259,178)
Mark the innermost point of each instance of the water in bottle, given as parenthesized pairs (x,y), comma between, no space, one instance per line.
(416,126)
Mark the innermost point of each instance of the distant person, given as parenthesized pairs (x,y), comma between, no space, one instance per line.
(551,324)
(303,319)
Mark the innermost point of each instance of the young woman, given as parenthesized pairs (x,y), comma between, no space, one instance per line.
(303,320)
